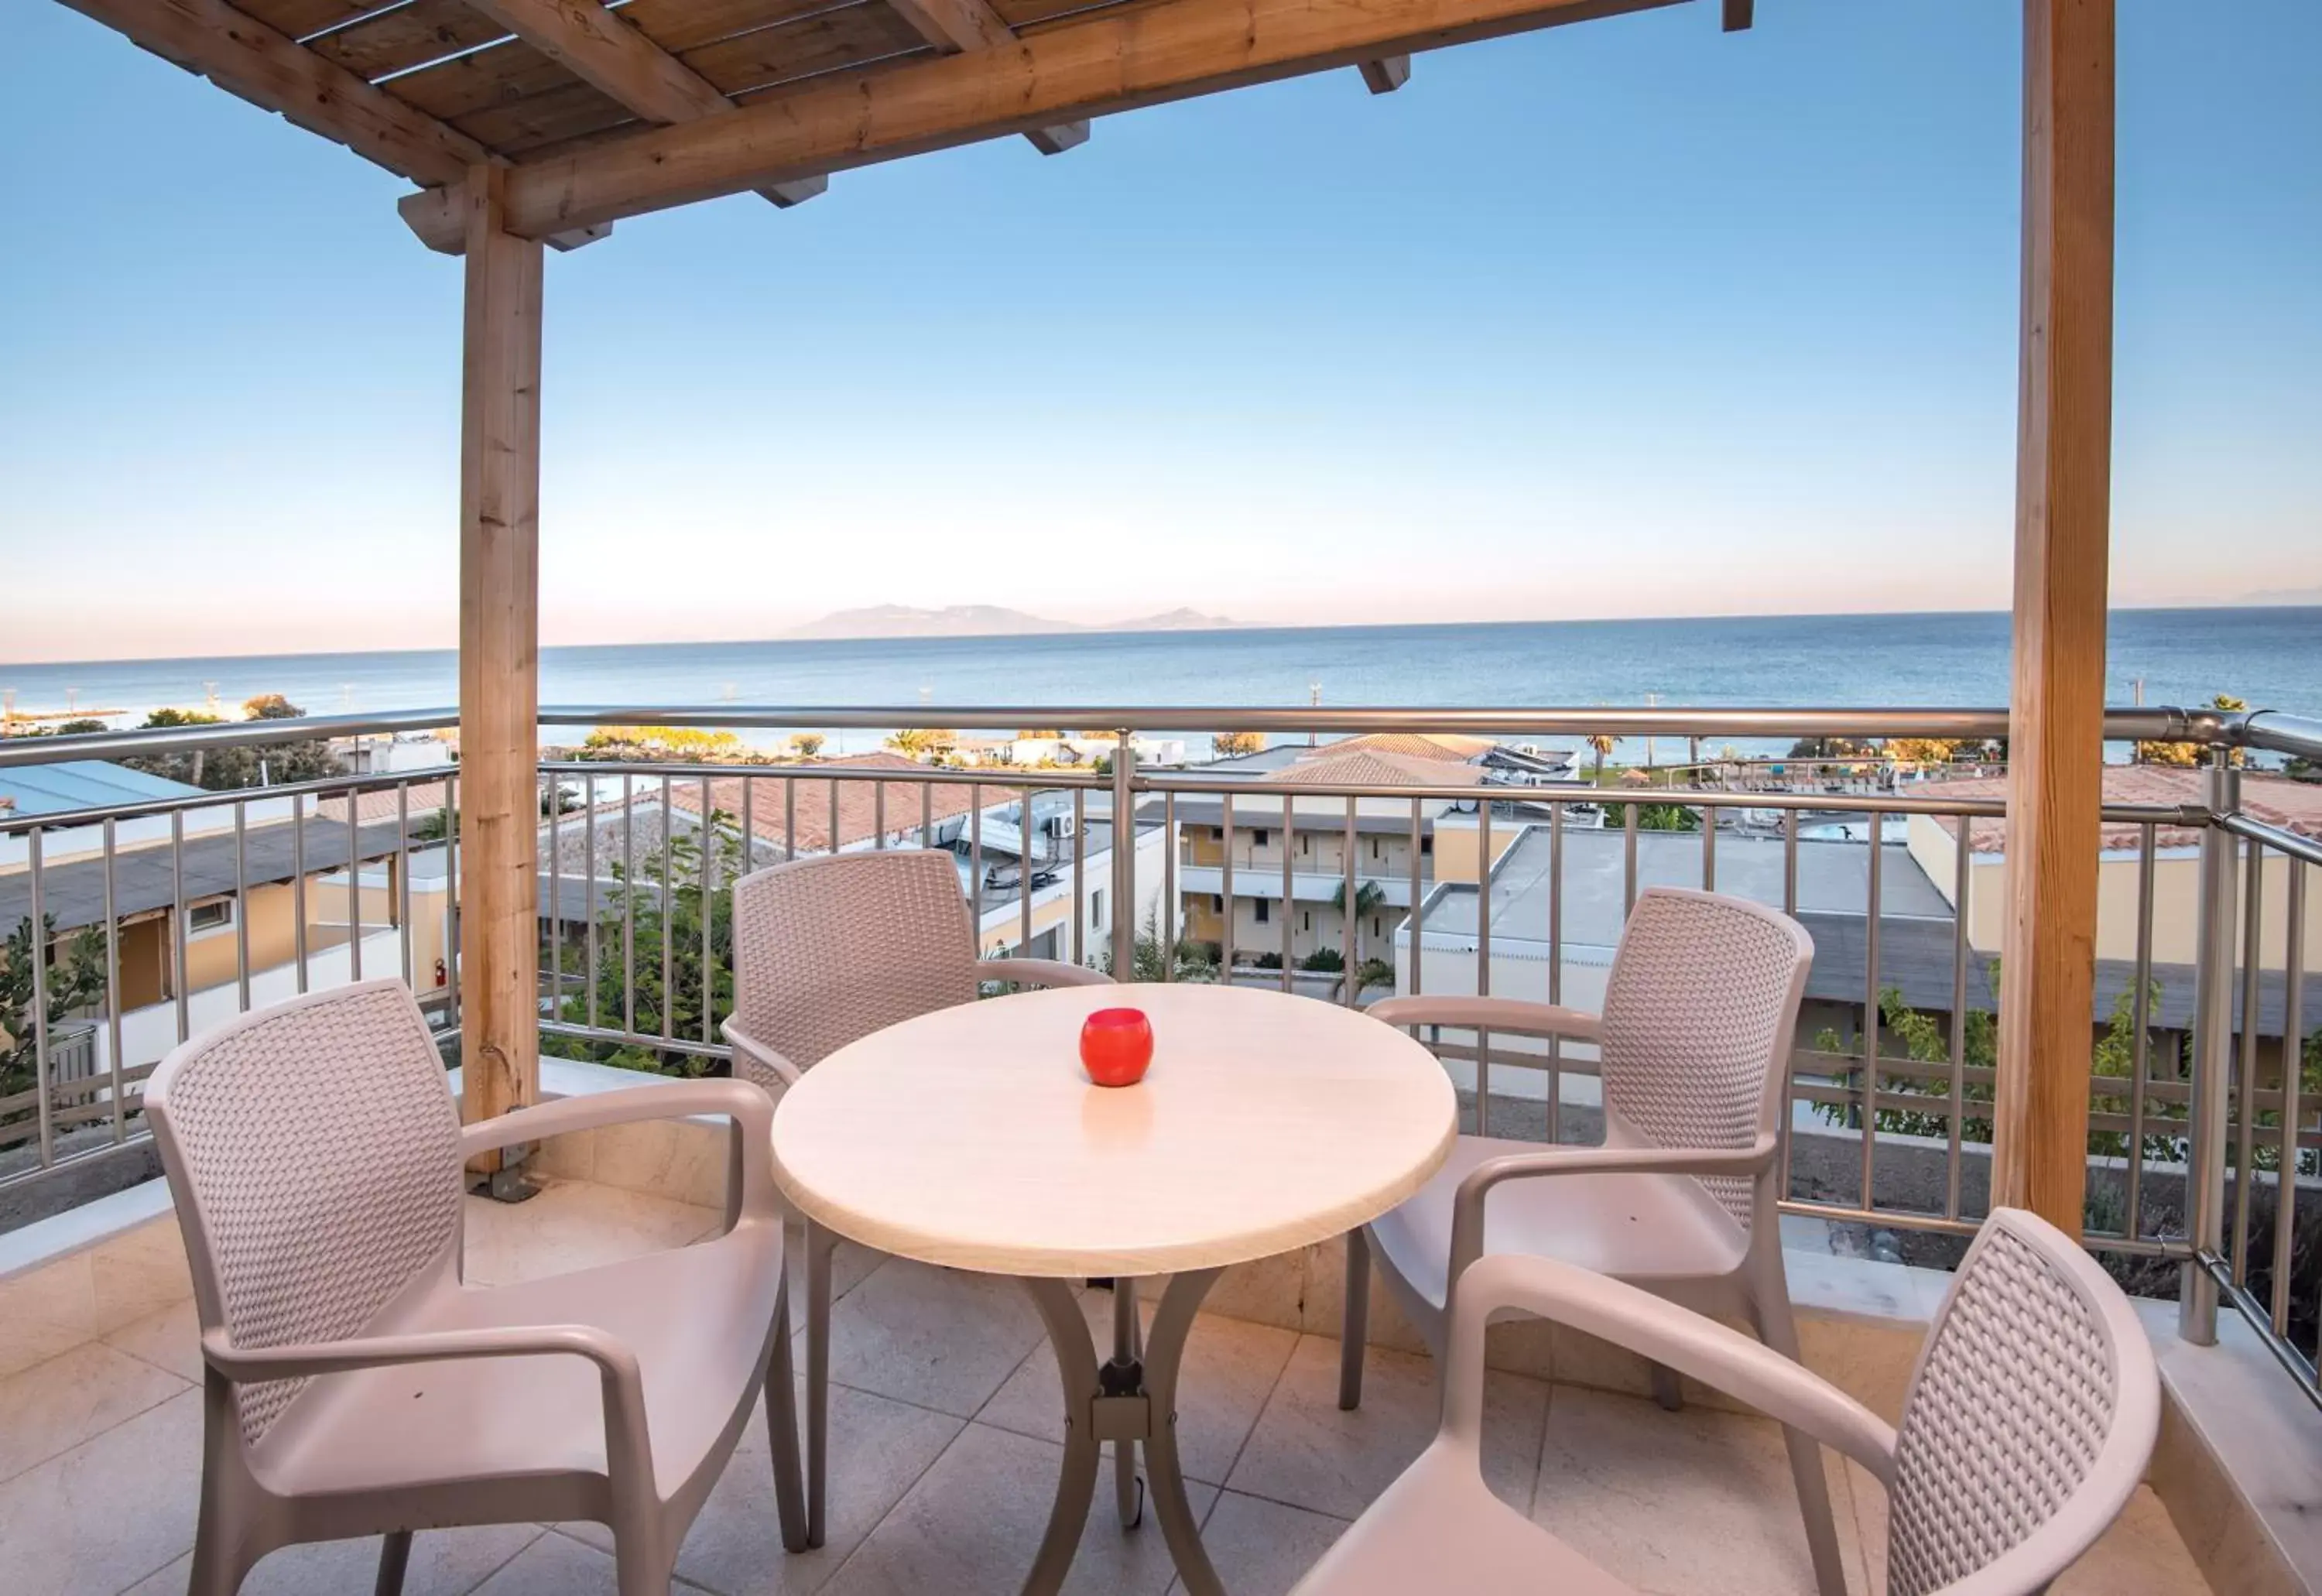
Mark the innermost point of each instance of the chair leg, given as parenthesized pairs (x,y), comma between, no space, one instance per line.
(643,1562)
(820,1243)
(1353,1323)
(1769,1306)
(394,1557)
(1667,1391)
(782,1428)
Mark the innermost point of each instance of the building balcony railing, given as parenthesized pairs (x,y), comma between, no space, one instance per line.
(2203,1088)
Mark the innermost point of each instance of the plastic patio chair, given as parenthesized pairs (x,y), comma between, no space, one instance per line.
(354,1384)
(827,951)
(1700,1008)
(2026,1428)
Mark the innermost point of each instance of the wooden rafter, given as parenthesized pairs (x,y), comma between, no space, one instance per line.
(1143,56)
(248,58)
(1387,74)
(609,55)
(959,26)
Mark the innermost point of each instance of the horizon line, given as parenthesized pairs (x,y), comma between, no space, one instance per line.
(1077,629)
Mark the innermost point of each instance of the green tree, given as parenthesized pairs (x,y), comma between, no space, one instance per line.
(1653,817)
(1602,744)
(76,979)
(228,769)
(1195,960)
(636,908)
(1235,744)
(806,744)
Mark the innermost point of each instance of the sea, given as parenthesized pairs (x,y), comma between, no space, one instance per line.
(2270,657)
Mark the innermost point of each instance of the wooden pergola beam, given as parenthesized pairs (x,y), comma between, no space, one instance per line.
(610,56)
(958,26)
(499,807)
(2063,486)
(244,56)
(1145,56)
(1385,76)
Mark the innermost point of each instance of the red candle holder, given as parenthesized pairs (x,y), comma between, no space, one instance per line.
(1115,1047)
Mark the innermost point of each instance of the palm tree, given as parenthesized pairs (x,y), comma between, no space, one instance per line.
(1604,742)
(1370,897)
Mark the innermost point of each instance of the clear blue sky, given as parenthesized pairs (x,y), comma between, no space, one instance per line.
(1629,317)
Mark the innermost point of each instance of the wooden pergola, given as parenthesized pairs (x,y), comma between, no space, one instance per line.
(532,122)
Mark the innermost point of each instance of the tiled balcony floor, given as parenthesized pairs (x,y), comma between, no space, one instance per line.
(943,1452)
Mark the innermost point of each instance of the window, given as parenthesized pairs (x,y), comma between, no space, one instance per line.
(210,916)
(1257,838)
(1096,908)
(1263,911)
(1427,843)
(1305,921)
(1217,903)
(1375,847)
(1306,845)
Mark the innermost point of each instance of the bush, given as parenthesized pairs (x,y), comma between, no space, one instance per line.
(1328,961)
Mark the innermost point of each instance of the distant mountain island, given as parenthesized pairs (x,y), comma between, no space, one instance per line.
(987,620)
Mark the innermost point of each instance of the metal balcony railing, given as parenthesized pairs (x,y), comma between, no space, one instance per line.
(2203,1128)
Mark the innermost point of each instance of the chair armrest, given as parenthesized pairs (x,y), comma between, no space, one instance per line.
(1467,1205)
(1041,973)
(747,1105)
(1490,1013)
(628,1451)
(1690,1343)
(757,1052)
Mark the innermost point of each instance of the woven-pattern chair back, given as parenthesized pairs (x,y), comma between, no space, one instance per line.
(2013,1400)
(1698,1014)
(313,1153)
(829,950)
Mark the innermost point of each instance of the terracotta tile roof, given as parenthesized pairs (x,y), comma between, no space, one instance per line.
(2293,806)
(378,803)
(1365,768)
(1448,748)
(858,803)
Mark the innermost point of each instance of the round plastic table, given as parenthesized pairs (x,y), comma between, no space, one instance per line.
(971,1138)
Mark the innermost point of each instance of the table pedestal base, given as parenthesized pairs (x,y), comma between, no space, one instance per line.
(1128,1400)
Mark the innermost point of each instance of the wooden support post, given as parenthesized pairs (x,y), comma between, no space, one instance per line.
(2062,525)
(500,566)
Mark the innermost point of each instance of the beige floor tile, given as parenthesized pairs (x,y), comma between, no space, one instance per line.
(109,1512)
(53,1407)
(572,1226)
(557,1565)
(47,1310)
(1698,1500)
(940,1338)
(138,1272)
(1261,1548)
(171,1339)
(1306,1453)
(444,1562)
(1229,1370)
(878,1449)
(973,1522)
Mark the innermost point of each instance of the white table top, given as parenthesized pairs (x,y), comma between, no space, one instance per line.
(971,1137)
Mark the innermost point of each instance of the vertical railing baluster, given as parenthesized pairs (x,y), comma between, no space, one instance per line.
(629,902)
(1555,968)
(43,1106)
(927,815)
(1628,860)
(1080,883)
(2245,1066)
(553,795)
(1124,851)
(2140,1045)
(975,860)
(1962,871)
(453,927)
(113,988)
(179,976)
(1418,900)
(1353,929)
(1167,913)
(879,816)
(297,887)
(242,904)
(354,886)
(668,907)
(1870,1010)
(590,907)
(2213,1025)
(1024,870)
(1789,1072)
(2293,1031)
(1483,961)
(1708,848)
(402,882)
(789,818)
(836,842)
(1226,886)
(1289,890)
(708,910)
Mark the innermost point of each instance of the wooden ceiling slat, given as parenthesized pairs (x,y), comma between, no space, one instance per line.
(821,43)
(515,126)
(502,74)
(423,32)
(680,25)
(298,18)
